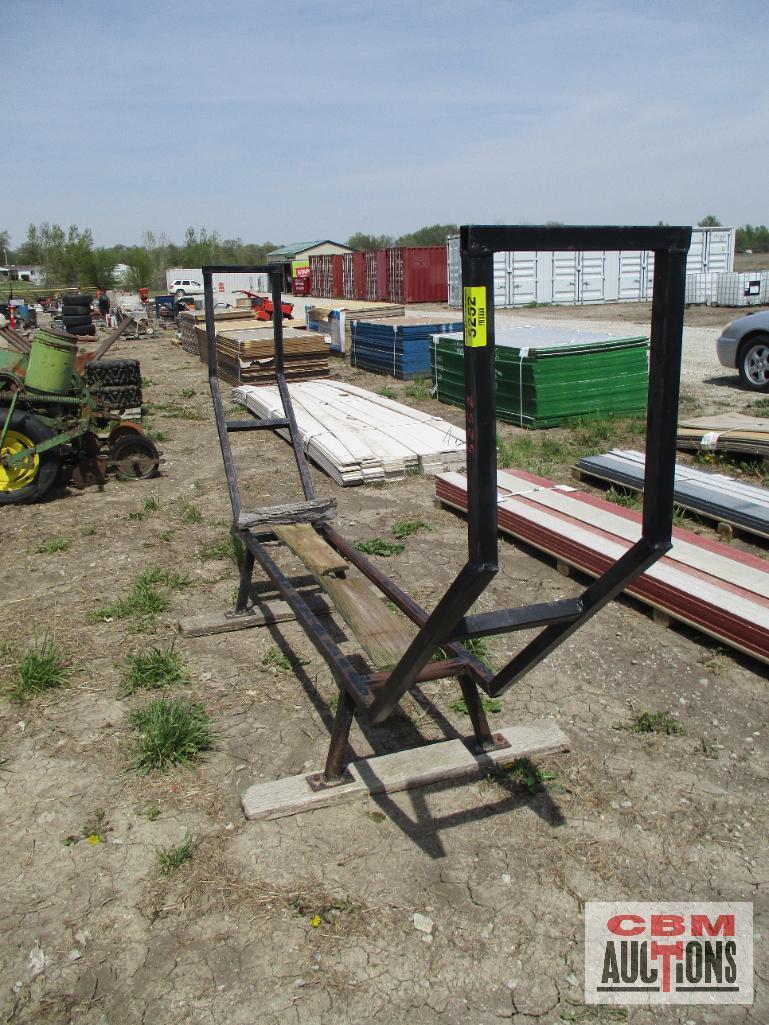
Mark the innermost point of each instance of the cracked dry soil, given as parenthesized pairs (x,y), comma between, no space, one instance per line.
(309,919)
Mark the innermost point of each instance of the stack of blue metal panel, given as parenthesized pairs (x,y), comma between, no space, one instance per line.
(399,346)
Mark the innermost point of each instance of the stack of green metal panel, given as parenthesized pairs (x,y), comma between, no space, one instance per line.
(547,376)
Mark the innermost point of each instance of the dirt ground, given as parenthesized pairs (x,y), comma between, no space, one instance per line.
(309,919)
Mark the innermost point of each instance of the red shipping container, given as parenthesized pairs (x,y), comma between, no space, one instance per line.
(359,275)
(382,292)
(348,278)
(337,277)
(320,271)
(417,274)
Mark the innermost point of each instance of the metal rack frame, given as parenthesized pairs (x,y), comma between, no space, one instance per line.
(377,694)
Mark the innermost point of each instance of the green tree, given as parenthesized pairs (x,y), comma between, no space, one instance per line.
(139,269)
(434,235)
(369,242)
(100,269)
(711,221)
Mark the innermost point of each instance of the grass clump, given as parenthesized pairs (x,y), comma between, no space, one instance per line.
(169,732)
(524,774)
(387,393)
(405,528)
(655,722)
(627,499)
(421,389)
(42,667)
(479,648)
(170,858)
(492,705)
(378,546)
(52,547)
(159,668)
(187,393)
(179,411)
(188,513)
(227,547)
(144,598)
(275,659)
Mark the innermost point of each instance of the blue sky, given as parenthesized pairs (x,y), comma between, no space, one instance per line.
(306,119)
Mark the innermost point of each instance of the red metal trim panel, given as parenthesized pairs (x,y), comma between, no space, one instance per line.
(359,275)
(425,275)
(337,277)
(690,594)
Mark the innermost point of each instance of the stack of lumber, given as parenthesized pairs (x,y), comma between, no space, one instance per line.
(190,319)
(248,356)
(729,432)
(335,320)
(714,495)
(358,437)
(547,376)
(706,584)
(397,345)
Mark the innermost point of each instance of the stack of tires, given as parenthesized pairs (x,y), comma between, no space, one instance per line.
(115,383)
(76,314)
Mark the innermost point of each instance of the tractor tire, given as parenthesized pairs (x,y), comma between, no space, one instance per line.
(118,398)
(79,321)
(109,373)
(31,480)
(76,310)
(81,329)
(77,300)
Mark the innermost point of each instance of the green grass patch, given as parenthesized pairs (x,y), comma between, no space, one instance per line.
(158,668)
(227,547)
(170,858)
(41,667)
(187,393)
(478,646)
(52,546)
(378,546)
(168,732)
(627,499)
(758,407)
(147,597)
(420,388)
(493,705)
(387,393)
(154,433)
(179,411)
(524,774)
(275,659)
(188,513)
(89,531)
(654,722)
(405,528)
(541,452)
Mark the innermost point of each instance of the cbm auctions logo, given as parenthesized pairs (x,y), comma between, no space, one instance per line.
(671,953)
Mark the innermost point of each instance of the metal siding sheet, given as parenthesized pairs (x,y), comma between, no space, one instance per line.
(337,277)
(359,276)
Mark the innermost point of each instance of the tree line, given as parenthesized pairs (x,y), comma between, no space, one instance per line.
(69,257)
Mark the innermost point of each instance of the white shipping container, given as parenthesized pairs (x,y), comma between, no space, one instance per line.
(569,278)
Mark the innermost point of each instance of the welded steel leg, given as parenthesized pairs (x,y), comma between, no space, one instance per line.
(244,590)
(484,738)
(340,734)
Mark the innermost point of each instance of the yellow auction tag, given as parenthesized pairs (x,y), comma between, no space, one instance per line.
(475,316)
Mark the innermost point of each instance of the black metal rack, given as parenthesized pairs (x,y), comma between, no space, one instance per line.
(377,694)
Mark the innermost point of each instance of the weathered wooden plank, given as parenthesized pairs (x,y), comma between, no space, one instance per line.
(317,555)
(402,770)
(293,512)
(381,634)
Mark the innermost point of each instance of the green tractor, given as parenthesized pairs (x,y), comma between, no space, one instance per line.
(60,420)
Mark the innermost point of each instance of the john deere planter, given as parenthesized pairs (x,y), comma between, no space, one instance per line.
(55,420)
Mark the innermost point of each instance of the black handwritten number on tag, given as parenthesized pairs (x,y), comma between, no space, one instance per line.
(472,317)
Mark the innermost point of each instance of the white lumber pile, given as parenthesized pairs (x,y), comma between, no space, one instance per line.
(358,437)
